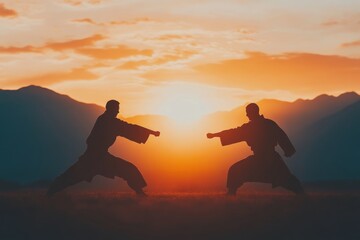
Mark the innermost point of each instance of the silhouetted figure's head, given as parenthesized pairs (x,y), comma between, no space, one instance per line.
(112,108)
(252,111)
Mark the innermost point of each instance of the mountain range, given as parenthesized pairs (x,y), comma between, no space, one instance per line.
(43,133)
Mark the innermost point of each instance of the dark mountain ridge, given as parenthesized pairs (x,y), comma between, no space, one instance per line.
(43,133)
(40,132)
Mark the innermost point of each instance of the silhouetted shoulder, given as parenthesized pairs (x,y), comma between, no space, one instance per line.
(120,123)
(270,122)
(243,128)
(122,126)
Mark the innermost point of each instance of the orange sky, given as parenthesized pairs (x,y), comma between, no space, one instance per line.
(153,55)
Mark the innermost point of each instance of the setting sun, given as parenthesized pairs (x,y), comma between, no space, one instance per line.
(184,103)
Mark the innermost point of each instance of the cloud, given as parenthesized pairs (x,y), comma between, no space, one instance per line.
(15,50)
(5,12)
(331,23)
(296,72)
(246,31)
(173,57)
(120,51)
(167,58)
(74,44)
(82,2)
(351,44)
(132,22)
(169,37)
(113,23)
(85,20)
(132,65)
(56,46)
(80,73)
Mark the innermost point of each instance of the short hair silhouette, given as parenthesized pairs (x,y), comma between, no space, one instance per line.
(252,108)
(252,111)
(111,104)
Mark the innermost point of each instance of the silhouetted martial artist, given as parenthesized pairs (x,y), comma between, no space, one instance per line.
(266,165)
(98,161)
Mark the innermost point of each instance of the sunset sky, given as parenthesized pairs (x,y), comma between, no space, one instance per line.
(189,56)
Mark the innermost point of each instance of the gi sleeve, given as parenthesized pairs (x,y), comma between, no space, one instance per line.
(232,136)
(133,132)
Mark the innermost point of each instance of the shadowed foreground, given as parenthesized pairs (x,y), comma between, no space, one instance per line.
(30,215)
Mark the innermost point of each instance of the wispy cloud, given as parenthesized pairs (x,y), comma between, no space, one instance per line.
(351,44)
(56,46)
(81,73)
(167,37)
(160,60)
(6,12)
(15,50)
(133,21)
(114,52)
(81,2)
(297,72)
(74,44)
(114,23)
(85,20)
(331,23)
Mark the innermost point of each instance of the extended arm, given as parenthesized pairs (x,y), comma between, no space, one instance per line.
(155,133)
(229,136)
(212,135)
(135,132)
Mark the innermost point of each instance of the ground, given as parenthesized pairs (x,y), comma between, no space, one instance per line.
(110,215)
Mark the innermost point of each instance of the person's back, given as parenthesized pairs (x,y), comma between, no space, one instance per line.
(260,134)
(104,133)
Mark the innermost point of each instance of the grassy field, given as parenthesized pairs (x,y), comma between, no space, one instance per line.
(107,215)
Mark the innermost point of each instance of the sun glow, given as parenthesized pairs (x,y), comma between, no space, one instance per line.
(184,103)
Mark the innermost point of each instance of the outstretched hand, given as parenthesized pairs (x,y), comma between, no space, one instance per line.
(210,135)
(156,134)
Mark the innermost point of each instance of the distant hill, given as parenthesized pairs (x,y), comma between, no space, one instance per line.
(41,132)
(296,116)
(329,149)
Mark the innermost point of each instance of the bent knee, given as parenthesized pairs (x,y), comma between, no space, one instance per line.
(127,166)
(234,169)
(236,166)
